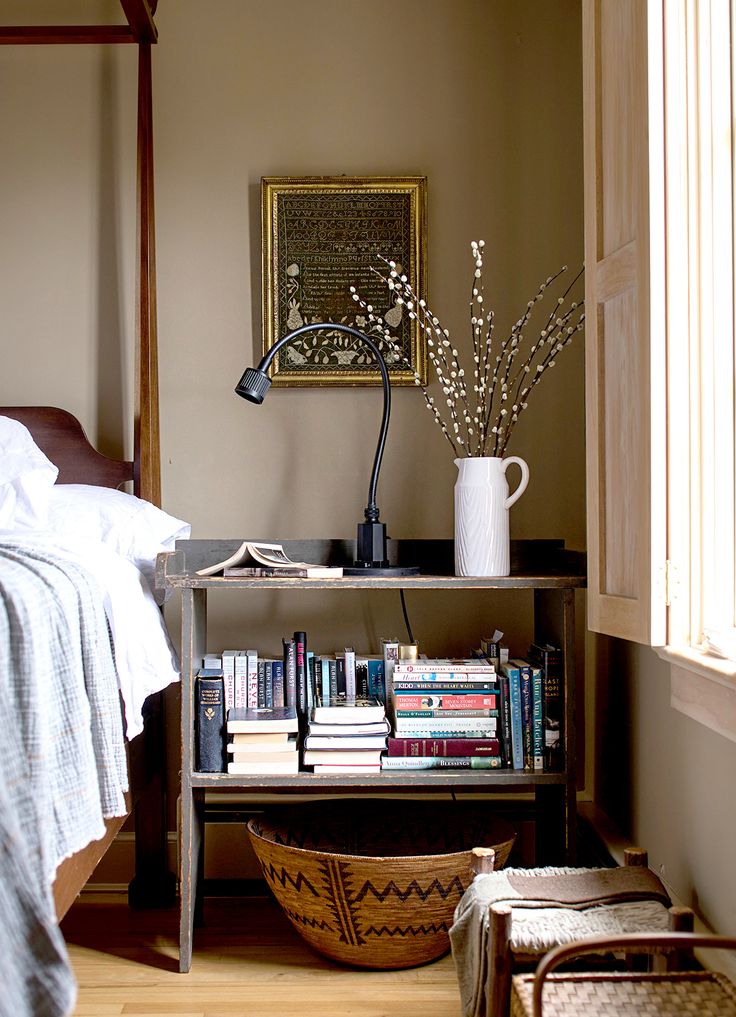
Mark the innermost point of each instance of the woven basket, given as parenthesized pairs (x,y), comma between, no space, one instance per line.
(625,994)
(678,994)
(374,883)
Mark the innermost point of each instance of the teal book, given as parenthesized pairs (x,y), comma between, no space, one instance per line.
(525,678)
(517,733)
(376,683)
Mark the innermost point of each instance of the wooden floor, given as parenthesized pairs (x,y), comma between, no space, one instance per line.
(248,962)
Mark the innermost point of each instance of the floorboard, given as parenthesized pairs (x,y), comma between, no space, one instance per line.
(247,961)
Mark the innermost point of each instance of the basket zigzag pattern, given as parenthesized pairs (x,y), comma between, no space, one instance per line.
(338,880)
(283,877)
(409,930)
(314,923)
(454,886)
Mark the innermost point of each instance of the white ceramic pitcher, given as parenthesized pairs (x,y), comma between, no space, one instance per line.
(482,503)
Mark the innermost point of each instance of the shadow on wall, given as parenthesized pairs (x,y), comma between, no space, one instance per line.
(613,731)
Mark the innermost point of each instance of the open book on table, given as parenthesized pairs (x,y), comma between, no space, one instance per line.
(256,558)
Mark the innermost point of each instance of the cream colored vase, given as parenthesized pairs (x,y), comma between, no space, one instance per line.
(482,503)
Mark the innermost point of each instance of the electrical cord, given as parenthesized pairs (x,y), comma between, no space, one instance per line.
(406,618)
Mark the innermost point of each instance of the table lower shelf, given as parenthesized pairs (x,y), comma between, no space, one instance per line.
(486,780)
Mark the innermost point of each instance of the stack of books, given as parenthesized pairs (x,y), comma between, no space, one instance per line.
(262,740)
(445,713)
(346,736)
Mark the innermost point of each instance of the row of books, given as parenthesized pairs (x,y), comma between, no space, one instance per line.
(252,680)
(339,738)
(444,709)
(443,713)
(493,713)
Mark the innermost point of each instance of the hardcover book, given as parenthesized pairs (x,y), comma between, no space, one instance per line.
(266,719)
(352,742)
(289,764)
(372,727)
(441,762)
(444,665)
(300,650)
(525,679)
(351,678)
(517,733)
(442,713)
(228,676)
(269,753)
(452,724)
(537,719)
(251,680)
(246,739)
(240,677)
(362,757)
(289,672)
(376,679)
(342,710)
(444,701)
(504,716)
(260,745)
(550,659)
(440,684)
(210,714)
(444,747)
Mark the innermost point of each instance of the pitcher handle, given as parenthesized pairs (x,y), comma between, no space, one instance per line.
(522,483)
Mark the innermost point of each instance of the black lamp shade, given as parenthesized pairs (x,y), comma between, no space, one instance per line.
(254,385)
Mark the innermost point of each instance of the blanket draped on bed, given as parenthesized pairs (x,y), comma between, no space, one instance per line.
(62,761)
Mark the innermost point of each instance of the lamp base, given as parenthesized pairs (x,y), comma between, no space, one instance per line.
(380,571)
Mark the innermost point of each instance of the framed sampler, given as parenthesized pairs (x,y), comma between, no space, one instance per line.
(322,235)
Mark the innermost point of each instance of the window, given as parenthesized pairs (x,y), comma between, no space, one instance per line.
(700,317)
(659,92)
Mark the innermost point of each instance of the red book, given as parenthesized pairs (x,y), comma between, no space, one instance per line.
(444,747)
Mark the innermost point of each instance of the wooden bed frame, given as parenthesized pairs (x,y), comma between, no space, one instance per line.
(61,437)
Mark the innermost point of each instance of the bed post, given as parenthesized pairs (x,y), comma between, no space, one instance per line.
(148,465)
(154,885)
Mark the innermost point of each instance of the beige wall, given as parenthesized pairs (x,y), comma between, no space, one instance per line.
(667,781)
(481,96)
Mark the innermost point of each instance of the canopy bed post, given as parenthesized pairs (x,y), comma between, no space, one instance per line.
(148,466)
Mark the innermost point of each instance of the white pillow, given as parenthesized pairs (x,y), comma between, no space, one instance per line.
(128,525)
(26,478)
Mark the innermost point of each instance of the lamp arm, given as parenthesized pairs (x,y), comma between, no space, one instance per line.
(371,510)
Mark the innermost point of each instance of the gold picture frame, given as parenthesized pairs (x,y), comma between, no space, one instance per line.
(322,235)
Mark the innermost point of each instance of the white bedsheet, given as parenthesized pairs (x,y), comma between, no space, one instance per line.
(145,659)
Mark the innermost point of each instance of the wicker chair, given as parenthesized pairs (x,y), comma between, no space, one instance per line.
(626,994)
(515,936)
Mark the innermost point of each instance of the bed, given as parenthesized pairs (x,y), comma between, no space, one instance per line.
(84,657)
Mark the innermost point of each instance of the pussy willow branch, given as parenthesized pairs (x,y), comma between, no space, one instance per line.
(468,427)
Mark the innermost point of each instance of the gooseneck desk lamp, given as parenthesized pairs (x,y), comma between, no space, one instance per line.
(371,557)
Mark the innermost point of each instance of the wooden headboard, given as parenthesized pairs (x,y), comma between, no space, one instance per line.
(61,437)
